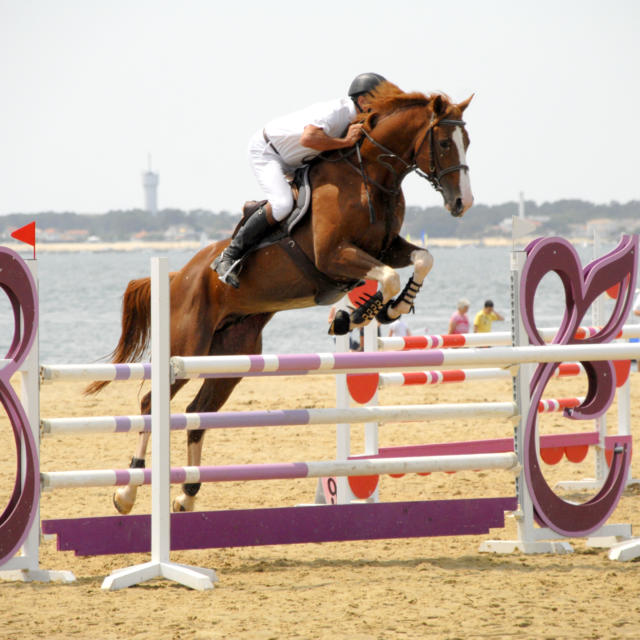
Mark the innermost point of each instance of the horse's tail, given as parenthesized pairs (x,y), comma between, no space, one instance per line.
(136,321)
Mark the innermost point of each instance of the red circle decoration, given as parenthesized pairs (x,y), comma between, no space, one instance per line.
(362,386)
(363,486)
(622,368)
(576,453)
(551,455)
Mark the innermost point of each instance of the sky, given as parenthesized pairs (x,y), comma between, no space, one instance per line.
(89,90)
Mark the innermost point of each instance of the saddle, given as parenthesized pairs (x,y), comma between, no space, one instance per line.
(328,290)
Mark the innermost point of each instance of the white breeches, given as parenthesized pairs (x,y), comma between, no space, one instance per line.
(270,171)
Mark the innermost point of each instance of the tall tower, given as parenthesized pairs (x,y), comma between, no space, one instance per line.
(150,184)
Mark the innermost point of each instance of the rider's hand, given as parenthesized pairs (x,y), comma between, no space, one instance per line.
(354,133)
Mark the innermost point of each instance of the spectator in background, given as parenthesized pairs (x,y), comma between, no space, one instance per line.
(485,317)
(459,322)
(399,328)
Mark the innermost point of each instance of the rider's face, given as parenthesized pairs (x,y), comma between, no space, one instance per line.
(364,101)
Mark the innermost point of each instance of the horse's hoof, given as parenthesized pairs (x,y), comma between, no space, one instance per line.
(340,324)
(122,506)
(183,503)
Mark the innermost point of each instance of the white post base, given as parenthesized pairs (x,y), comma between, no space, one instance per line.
(589,484)
(538,546)
(37,575)
(625,551)
(192,577)
(579,485)
(610,535)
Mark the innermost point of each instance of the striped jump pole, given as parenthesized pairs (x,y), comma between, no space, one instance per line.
(298,417)
(283,471)
(100,371)
(462,375)
(282,417)
(332,363)
(493,339)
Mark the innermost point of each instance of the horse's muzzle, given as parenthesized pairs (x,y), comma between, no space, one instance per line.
(459,205)
(457,208)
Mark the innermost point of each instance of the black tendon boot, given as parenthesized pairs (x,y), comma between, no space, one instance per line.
(253,230)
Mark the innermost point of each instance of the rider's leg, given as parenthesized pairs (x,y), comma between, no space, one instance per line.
(250,234)
(270,173)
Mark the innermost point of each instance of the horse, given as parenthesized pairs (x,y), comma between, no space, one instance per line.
(350,234)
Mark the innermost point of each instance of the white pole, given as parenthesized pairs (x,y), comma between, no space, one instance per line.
(160,414)
(160,565)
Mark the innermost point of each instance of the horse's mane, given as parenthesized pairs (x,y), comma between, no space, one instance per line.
(387,97)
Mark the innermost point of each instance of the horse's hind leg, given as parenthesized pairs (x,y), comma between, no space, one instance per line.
(212,395)
(241,337)
(124,497)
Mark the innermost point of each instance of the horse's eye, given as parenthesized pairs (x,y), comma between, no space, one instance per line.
(445,145)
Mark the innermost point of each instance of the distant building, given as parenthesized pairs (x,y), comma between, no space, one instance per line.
(150,184)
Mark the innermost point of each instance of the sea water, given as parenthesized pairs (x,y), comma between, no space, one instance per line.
(81,295)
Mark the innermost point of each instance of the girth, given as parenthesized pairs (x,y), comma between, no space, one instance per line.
(327,289)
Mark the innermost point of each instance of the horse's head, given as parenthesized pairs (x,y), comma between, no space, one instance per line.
(441,153)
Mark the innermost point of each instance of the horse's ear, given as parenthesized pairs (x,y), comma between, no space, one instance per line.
(439,105)
(463,105)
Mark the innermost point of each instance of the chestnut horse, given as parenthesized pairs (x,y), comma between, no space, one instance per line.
(350,234)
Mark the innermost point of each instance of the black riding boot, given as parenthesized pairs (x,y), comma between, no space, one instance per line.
(253,230)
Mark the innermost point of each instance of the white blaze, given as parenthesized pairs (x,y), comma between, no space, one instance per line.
(465,183)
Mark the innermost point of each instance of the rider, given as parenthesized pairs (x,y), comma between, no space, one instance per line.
(285,144)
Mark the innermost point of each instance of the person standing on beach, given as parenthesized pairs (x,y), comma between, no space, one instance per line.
(485,318)
(459,322)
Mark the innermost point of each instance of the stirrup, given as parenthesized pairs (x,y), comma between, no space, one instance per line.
(228,277)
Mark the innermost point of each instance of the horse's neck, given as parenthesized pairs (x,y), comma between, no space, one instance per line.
(397,132)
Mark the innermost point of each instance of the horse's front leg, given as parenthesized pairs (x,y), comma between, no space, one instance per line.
(349,261)
(401,254)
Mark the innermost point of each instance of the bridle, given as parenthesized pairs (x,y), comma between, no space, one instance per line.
(433,175)
(435,172)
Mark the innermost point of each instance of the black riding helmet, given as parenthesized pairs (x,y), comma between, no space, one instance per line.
(364,83)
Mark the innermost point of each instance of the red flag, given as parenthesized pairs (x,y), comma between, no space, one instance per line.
(26,234)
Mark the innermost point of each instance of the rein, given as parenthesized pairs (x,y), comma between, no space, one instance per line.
(433,175)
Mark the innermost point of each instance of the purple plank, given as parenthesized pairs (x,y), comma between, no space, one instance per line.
(287,525)
(497,445)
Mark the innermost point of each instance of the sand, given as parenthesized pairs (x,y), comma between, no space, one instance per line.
(419,588)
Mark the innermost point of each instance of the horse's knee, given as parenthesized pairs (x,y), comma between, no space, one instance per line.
(390,283)
(422,263)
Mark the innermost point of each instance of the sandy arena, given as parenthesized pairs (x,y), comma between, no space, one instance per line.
(417,588)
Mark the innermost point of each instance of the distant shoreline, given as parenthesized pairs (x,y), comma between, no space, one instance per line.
(65,247)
